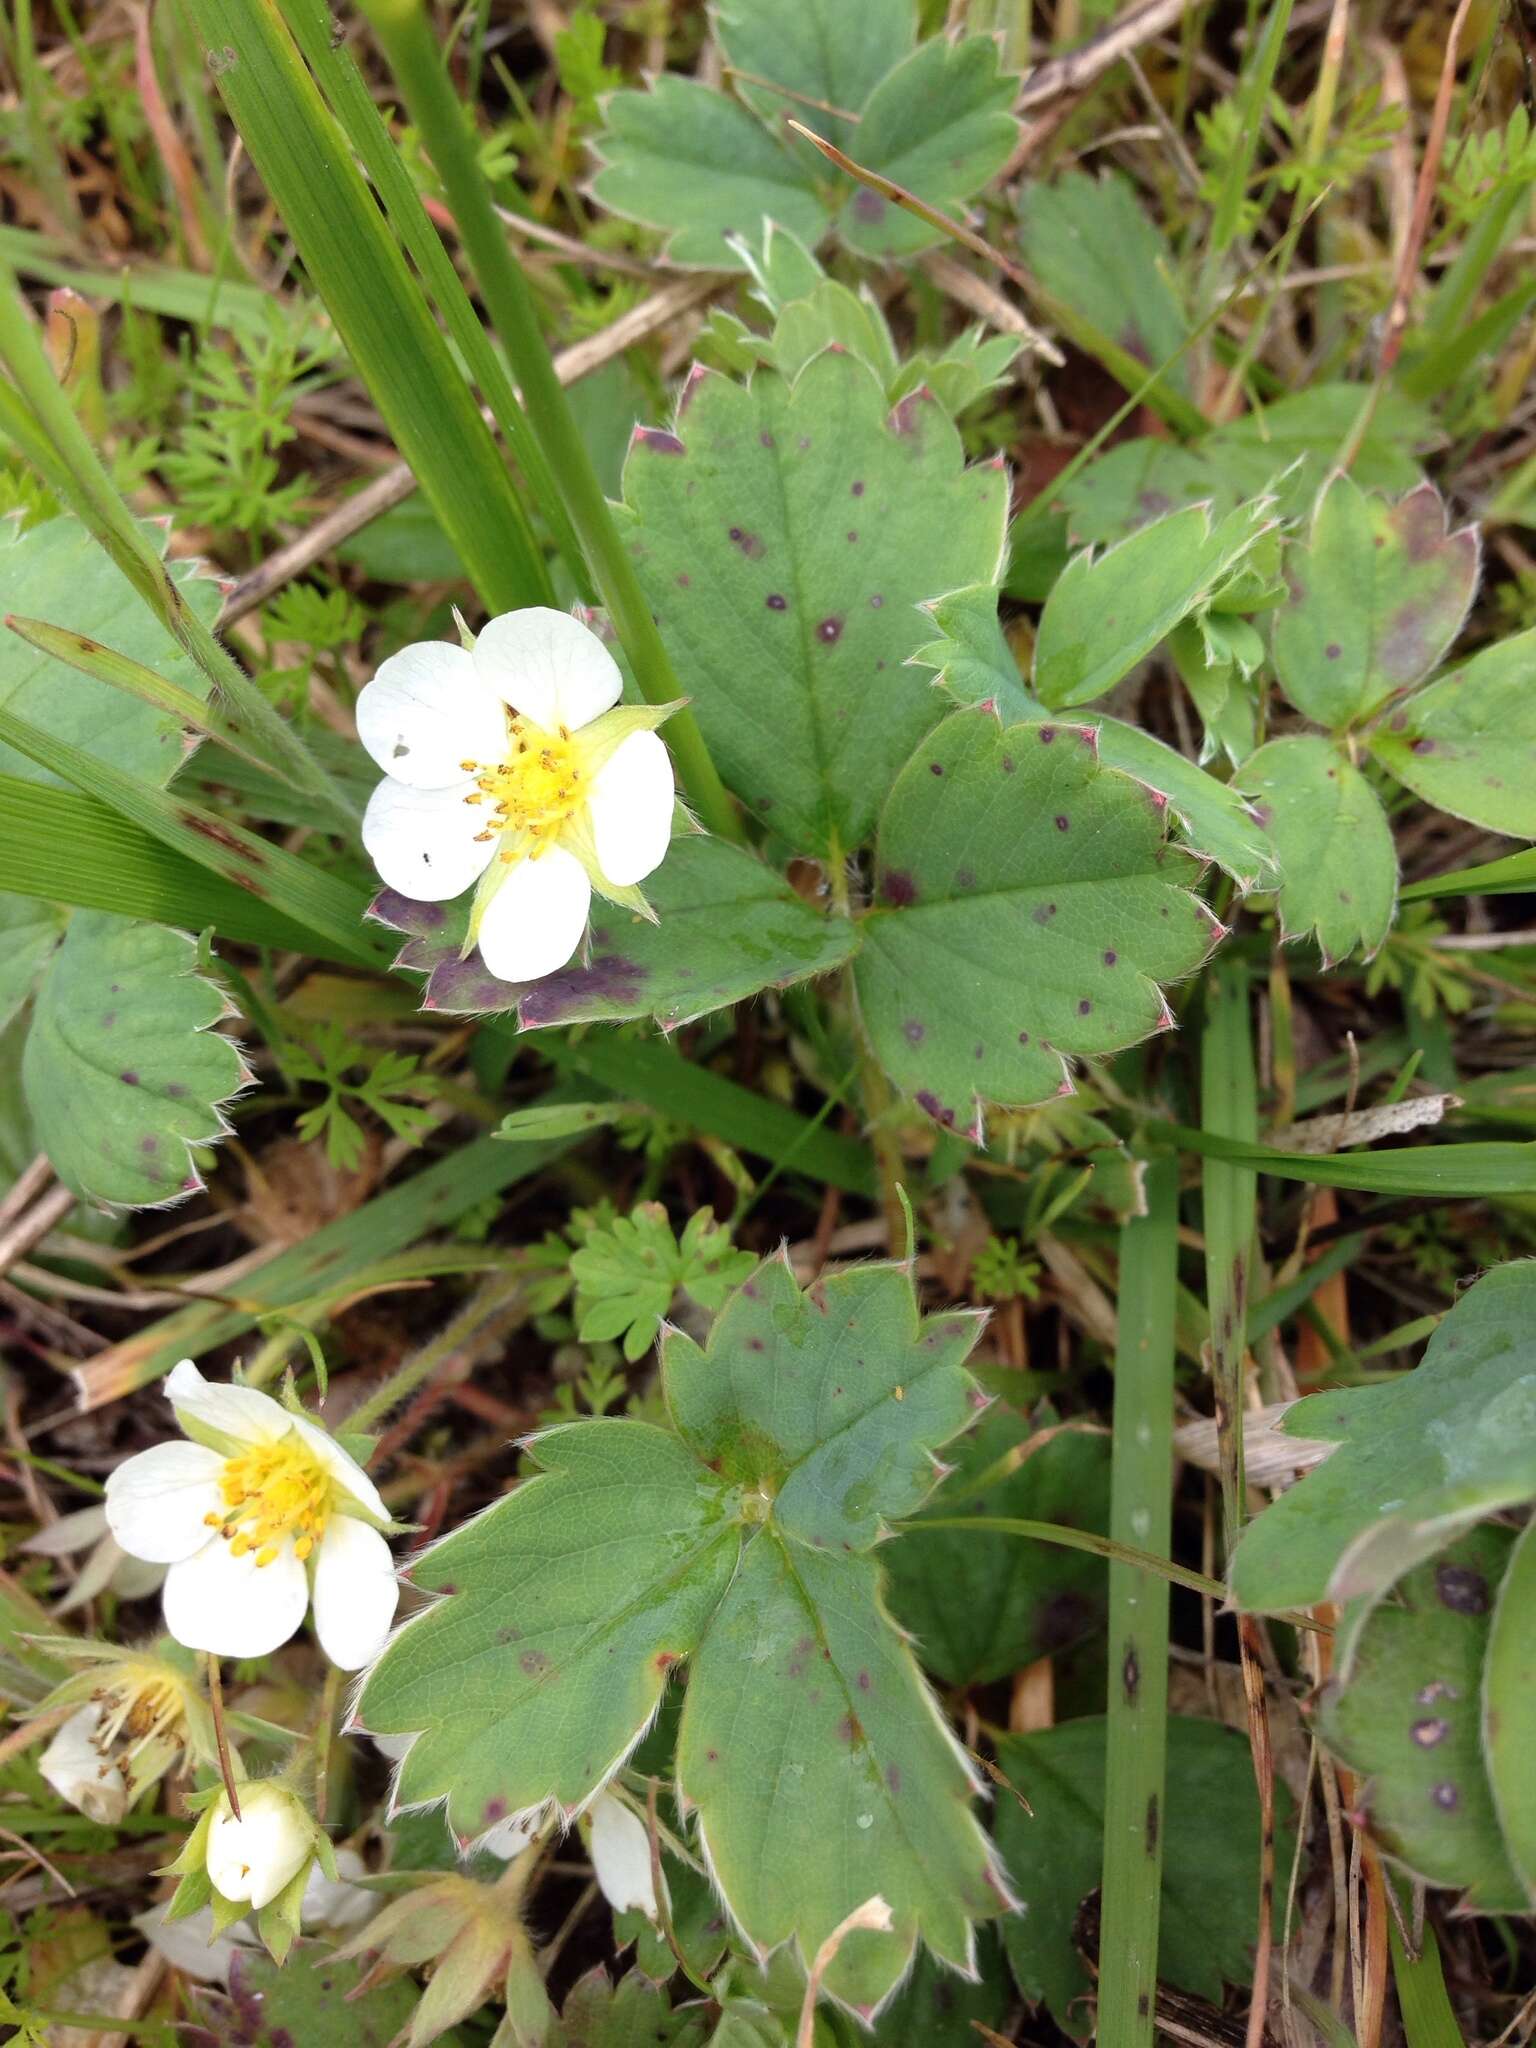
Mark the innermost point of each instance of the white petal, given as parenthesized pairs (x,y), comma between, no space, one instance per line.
(233,1606)
(548,666)
(157,1501)
(422,841)
(511,1837)
(534,922)
(345,1470)
(191,1946)
(255,1856)
(336,1902)
(72,1765)
(621,1856)
(427,712)
(355,1592)
(241,1412)
(631,806)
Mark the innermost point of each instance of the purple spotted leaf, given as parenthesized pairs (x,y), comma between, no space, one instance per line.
(1029,907)
(1333,845)
(727,927)
(122,1072)
(1466,742)
(742,1539)
(1378,591)
(1404,1710)
(785,535)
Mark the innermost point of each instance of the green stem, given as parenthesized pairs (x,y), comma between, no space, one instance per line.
(499,1302)
(1229,1109)
(1140,1510)
(411,47)
(72,466)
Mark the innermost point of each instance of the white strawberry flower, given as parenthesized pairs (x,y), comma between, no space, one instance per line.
(258,1514)
(513,766)
(76,1768)
(252,1857)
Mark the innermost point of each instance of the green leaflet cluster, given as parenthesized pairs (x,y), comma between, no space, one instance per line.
(814,1763)
(708,168)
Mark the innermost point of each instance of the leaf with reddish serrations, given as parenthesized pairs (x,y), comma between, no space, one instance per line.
(1467,741)
(784,537)
(815,1765)
(727,927)
(1029,907)
(1378,591)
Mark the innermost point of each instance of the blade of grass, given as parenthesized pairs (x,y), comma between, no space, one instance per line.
(70,849)
(60,448)
(1513,875)
(1140,1513)
(108,666)
(380,313)
(1252,97)
(330,1264)
(147,287)
(344,86)
(323,903)
(1229,1203)
(411,47)
(1429,2020)
(1467,1170)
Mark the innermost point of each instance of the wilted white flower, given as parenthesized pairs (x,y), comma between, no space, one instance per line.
(252,1858)
(258,1510)
(619,1843)
(86,1529)
(513,766)
(78,1771)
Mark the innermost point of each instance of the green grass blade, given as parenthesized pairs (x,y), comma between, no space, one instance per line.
(1512,875)
(322,903)
(1141,1515)
(344,86)
(1422,1999)
(411,47)
(1473,1169)
(324,1268)
(1229,1109)
(70,849)
(147,287)
(353,263)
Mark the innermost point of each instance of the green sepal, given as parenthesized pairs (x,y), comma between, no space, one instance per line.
(194,1892)
(278,1921)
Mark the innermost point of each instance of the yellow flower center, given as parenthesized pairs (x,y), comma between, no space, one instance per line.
(142,1703)
(271,1492)
(533,792)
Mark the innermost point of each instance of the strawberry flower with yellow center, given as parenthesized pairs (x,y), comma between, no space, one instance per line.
(510,765)
(260,1513)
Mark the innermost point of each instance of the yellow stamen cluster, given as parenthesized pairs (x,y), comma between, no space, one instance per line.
(532,793)
(273,1491)
(142,1704)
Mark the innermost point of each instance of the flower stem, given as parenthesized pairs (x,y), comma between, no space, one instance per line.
(500,1303)
(226,1761)
(411,47)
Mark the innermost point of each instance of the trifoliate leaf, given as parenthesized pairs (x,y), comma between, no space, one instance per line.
(1418,1459)
(122,1074)
(1210,1838)
(687,158)
(57,573)
(743,1541)
(1466,742)
(1108,611)
(727,926)
(1405,1710)
(1332,842)
(1377,592)
(784,536)
(1028,909)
